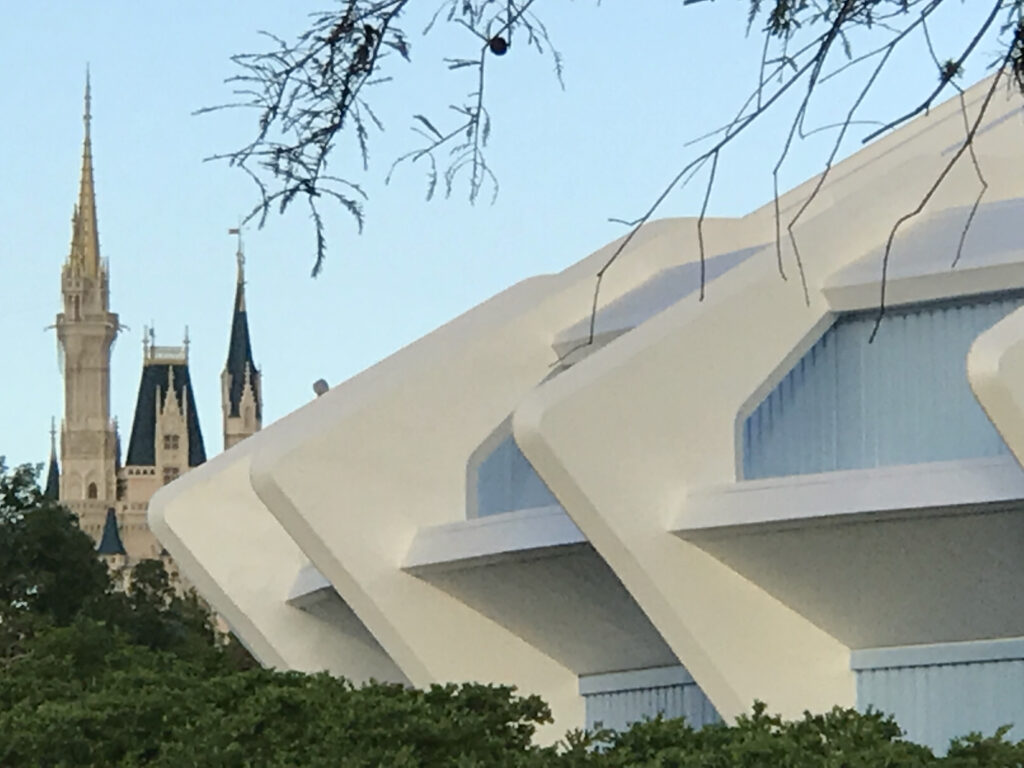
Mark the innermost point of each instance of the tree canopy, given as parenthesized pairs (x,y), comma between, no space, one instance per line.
(51,579)
(93,676)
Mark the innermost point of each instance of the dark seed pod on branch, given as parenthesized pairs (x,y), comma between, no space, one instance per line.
(498,45)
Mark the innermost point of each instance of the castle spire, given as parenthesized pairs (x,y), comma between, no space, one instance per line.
(85,243)
(242,401)
(240,362)
(52,490)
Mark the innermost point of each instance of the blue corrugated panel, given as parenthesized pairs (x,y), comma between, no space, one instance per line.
(627,702)
(936,703)
(506,482)
(903,399)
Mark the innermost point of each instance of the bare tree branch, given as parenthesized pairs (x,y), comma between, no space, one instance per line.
(950,164)
(313,98)
(310,95)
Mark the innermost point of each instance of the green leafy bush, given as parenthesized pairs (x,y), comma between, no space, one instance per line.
(63,704)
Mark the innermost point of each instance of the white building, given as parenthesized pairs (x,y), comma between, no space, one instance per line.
(717,501)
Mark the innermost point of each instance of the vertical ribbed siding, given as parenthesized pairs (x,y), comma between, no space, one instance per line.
(904,399)
(506,482)
(938,702)
(617,709)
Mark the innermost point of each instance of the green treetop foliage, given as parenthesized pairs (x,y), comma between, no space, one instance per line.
(93,677)
(48,567)
(50,576)
(129,706)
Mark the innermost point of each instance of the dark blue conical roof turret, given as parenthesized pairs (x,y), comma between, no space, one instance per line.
(52,490)
(110,542)
(240,367)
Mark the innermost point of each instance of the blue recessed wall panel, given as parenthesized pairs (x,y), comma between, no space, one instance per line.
(506,482)
(903,399)
(940,692)
(617,699)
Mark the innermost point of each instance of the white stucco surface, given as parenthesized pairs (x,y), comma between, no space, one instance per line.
(486,539)
(923,256)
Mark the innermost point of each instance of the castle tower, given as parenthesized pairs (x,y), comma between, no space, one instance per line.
(241,389)
(86,330)
(165,441)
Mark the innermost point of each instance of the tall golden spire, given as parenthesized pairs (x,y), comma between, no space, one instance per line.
(85,242)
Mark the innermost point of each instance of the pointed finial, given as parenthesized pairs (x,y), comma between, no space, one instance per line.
(85,244)
(239,251)
(145,343)
(53,436)
(87,117)
(186,343)
(240,279)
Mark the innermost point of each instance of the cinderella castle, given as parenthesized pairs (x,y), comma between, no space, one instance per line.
(109,495)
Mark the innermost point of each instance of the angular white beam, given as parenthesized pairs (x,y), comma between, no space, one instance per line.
(621,436)
(244,564)
(358,473)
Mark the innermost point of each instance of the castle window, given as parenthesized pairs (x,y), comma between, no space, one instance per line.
(170,473)
(170,442)
(92,491)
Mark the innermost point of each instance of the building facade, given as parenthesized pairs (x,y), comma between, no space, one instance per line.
(719,489)
(107,492)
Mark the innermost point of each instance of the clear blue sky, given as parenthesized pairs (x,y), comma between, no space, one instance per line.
(638,86)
